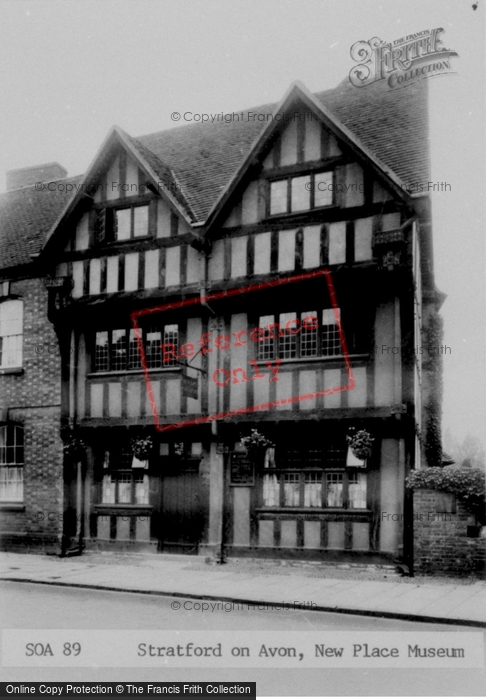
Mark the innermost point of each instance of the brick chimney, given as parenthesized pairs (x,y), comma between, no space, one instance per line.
(24,177)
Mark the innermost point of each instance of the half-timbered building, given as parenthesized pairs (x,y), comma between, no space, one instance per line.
(264,275)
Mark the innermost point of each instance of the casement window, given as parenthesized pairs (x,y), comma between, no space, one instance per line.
(266,344)
(171,338)
(357,490)
(312,478)
(153,348)
(330,341)
(121,224)
(301,193)
(334,490)
(309,335)
(316,489)
(296,335)
(11,333)
(131,222)
(134,358)
(11,464)
(121,484)
(118,350)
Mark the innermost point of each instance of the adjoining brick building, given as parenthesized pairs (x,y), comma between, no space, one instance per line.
(270,272)
(31,449)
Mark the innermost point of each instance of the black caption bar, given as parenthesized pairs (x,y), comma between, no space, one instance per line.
(204,691)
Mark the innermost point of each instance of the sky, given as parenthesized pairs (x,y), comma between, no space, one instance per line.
(71,70)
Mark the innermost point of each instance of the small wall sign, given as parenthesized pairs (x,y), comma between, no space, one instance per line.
(242,472)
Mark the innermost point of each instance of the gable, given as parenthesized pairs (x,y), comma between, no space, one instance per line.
(304,168)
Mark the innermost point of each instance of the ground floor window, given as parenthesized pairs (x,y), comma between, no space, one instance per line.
(121,484)
(11,463)
(311,477)
(314,490)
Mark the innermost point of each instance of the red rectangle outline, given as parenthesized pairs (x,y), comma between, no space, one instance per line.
(134,316)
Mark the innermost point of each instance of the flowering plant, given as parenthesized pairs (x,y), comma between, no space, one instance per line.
(256,443)
(466,483)
(179,449)
(142,447)
(360,443)
(73,446)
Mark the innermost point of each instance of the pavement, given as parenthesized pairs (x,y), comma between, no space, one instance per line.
(461,603)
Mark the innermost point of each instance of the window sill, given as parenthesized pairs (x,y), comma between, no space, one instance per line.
(12,506)
(123,242)
(131,372)
(270,218)
(311,360)
(318,511)
(11,370)
(123,509)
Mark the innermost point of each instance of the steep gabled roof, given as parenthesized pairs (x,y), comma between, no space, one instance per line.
(392,124)
(26,217)
(198,161)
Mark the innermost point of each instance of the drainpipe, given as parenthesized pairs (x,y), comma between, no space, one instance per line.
(205,254)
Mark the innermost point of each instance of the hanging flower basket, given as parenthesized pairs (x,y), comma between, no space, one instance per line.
(256,444)
(360,444)
(141,448)
(74,448)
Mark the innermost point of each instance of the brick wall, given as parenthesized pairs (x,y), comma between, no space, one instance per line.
(441,544)
(33,398)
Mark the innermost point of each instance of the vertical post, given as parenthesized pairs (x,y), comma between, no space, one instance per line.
(216,497)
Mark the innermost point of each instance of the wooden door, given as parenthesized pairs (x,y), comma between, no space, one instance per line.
(181,518)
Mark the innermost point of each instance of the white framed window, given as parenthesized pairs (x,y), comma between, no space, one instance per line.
(271,490)
(291,489)
(123,224)
(140,221)
(11,333)
(301,193)
(357,490)
(313,490)
(278,197)
(300,199)
(334,490)
(11,463)
(131,222)
(312,477)
(120,483)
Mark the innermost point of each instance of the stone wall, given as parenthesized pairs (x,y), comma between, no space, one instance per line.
(441,542)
